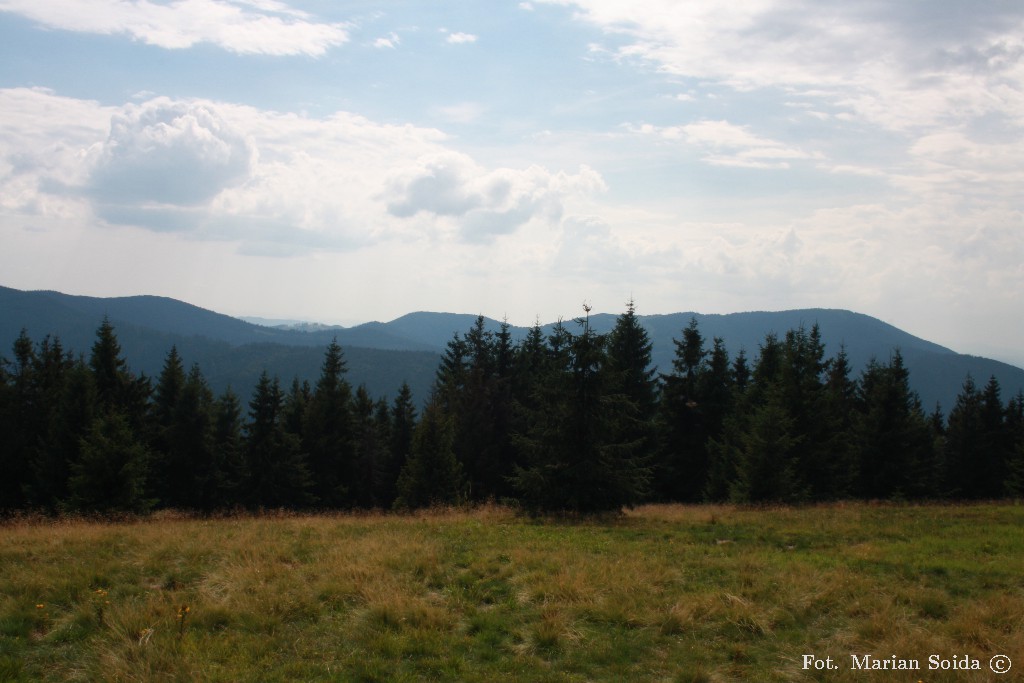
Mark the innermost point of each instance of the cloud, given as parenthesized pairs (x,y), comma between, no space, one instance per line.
(240,26)
(391,41)
(228,172)
(45,143)
(727,144)
(484,204)
(168,152)
(458,38)
(895,65)
(211,170)
(464,112)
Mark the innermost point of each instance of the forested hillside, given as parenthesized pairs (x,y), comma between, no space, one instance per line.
(567,420)
(232,352)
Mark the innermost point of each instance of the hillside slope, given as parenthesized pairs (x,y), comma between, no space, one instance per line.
(382,355)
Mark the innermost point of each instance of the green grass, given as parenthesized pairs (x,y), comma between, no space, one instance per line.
(665,593)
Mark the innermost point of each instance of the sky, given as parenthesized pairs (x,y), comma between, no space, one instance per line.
(343,162)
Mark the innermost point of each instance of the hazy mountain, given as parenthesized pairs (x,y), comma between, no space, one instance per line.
(382,355)
(302,325)
(230,352)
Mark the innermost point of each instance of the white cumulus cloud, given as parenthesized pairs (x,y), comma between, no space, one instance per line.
(484,204)
(170,152)
(273,182)
(241,26)
(895,65)
(727,144)
(459,38)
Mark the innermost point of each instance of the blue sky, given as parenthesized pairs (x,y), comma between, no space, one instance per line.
(345,162)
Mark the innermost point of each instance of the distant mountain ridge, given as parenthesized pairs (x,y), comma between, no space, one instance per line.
(232,352)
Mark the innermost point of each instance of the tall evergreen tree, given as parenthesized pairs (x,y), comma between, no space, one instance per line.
(979,449)
(577,456)
(801,381)
(171,476)
(73,411)
(169,385)
(111,472)
(682,469)
(963,438)
(766,457)
(278,475)
(370,449)
(761,416)
(629,363)
(836,416)
(451,374)
(741,372)
(12,452)
(1015,455)
(24,422)
(329,437)
(631,379)
(383,481)
(193,441)
(113,381)
(996,443)
(117,431)
(403,424)
(230,466)
(471,402)
(896,456)
(296,403)
(432,474)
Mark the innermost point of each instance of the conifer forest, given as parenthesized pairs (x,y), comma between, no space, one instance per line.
(567,422)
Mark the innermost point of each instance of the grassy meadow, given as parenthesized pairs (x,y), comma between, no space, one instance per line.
(663,593)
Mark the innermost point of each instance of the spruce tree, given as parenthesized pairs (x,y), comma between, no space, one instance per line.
(110,370)
(836,415)
(801,381)
(450,377)
(73,412)
(432,474)
(996,443)
(197,484)
(766,456)
(631,380)
(383,482)
(296,402)
(741,372)
(895,447)
(118,430)
(167,393)
(170,472)
(1015,454)
(471,404)
(24,410)
(962,475)
(329,433)
(12,451)
(761,415)
(111,471)
(370,449)
(229,465)
(629,364)
(278,475)
(403,425)
(682,469)
(576,449)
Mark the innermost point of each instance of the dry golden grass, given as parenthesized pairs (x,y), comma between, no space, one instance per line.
(662,593)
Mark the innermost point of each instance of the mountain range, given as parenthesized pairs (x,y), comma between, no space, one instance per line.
(233,352)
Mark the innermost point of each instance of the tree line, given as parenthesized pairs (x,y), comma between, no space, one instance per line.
(569,421)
